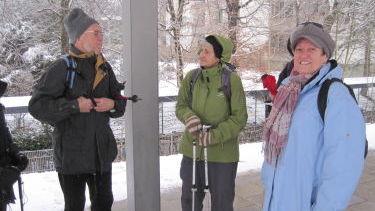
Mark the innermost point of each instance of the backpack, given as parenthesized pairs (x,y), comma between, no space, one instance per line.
(225,82)
(322,100)
(72,70)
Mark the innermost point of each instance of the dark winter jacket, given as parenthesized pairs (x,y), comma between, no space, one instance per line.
(285,72)
(8,158)
(83,142)
(11,161)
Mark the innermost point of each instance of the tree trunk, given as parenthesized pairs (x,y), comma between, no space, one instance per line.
(297,11)
(65,5)
(176,19)
(233,11)
(330,19)
(367,62)
(178,50)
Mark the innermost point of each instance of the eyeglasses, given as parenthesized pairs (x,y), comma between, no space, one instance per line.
(313,23)
(97,33)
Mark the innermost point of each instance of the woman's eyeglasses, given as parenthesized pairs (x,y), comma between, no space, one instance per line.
(313,23)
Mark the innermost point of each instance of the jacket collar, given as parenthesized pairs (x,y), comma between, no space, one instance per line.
(327,71)
(74,49)
(212,71)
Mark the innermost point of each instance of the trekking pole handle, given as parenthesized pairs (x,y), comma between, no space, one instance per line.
(206,128)
(133,98)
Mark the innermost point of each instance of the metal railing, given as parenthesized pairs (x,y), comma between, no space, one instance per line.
(171,129)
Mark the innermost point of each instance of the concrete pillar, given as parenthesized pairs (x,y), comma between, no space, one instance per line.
(142,118)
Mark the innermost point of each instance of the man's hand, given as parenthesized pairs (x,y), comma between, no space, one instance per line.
(104,104)
(21,161)
(85,104)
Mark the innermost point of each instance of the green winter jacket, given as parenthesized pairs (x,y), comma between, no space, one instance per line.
(212,107)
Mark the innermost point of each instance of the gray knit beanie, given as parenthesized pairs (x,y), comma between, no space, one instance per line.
(76,22)
(315,33)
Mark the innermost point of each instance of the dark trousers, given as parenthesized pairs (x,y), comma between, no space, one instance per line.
(3,206)
(4,199)
(221,181)
(100,189)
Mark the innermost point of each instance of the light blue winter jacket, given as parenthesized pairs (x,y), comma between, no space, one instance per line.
(322,162)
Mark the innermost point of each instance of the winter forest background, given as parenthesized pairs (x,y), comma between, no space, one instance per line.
(32,36)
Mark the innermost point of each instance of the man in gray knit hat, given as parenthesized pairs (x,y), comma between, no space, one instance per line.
(77,95)
(314,138)
(76,24)
(83,31)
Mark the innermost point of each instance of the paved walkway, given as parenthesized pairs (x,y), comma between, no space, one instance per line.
(249,192)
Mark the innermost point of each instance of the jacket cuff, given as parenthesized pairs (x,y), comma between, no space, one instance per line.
(113,110)
(74,106)
(189,114)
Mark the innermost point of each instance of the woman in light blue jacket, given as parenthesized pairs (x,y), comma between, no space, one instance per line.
(312,164)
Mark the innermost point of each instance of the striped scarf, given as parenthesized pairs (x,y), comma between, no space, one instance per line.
(276,128)
(99,75)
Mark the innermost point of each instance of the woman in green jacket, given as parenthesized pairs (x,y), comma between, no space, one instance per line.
(206,100)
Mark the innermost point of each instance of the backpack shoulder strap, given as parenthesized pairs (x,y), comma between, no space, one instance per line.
(225,82)
(228,69)
(322,100)
(193,79)
(72,69)
(226,87)
(323,94)
(195,75)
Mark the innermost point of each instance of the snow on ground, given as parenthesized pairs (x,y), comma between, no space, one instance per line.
(370,131)
(42,190)
(15,101)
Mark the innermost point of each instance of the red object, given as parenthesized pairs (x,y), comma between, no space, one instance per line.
(120,97)
(133,98)
(269,82)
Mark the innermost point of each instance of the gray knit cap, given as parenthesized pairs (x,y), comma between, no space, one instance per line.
(76,22)
(314,33)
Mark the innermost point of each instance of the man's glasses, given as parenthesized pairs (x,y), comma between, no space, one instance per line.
(97,33)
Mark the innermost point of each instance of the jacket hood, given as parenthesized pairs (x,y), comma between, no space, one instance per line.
(227,46)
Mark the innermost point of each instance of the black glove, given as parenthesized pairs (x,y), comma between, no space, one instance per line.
(9,175)
(21,161)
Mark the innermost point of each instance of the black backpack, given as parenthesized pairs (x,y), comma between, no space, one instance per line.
(225,81)
(322,100)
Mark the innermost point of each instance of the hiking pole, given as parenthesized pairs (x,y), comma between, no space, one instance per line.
(20,191)
(206,128)
(133,98)
(194,186)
